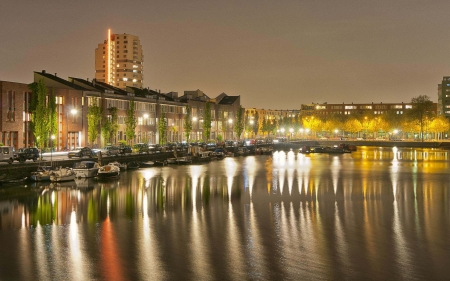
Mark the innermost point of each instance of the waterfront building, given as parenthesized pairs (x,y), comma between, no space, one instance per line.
(119,61)
(75,95)
(443,105)
(325,109)
(14,118)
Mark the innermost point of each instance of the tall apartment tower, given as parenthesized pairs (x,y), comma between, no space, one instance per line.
(119,61)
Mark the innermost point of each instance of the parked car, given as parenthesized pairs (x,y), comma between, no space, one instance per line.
(110,150)
(81,152)
(124,149)
(7,154)
(29,153)
(141,148)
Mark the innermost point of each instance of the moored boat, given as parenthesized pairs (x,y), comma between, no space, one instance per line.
(149,164)
(185,160)
(42,173)
(62,174)
(108,171)
(133,165)
(122,166)
(86,169)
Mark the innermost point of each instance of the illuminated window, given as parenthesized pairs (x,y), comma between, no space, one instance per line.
(408,106)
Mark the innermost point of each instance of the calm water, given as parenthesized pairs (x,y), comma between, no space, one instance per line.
(376,214)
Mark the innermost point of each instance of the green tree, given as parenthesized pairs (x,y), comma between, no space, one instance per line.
(130,122)
(94,117)
(53,116)
(39,113)
(110,125)
(422,109)
(239,125)
(207,121)
(255,125)
(187,123)
(162,127)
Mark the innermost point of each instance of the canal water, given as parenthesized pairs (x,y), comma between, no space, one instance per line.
(374,214)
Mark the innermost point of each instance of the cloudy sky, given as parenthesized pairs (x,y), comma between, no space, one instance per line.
(274,54)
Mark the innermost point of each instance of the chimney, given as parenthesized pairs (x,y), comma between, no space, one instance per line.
(56,74)
(43,71)
(87,79)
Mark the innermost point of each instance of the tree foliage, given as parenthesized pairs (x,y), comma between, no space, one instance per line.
(239,124)
(110,125)
(94,118)
(422,110)
(130,122)
(40,113)
(187,123)
(162,127)
(207,121)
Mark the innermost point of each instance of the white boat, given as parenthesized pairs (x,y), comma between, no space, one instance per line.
(42,173)
(62,174)
(108,171)
(122,166)
(86,169)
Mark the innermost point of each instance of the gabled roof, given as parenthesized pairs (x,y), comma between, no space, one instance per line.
(229,100)
(60,81)
(98,86)
(148,92)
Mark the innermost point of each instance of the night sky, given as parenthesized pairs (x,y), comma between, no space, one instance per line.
(274,54)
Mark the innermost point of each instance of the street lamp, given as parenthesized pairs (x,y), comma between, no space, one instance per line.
(307,132)
(282,132)
(73,111)
(291,130)
(336,132)
(301,132)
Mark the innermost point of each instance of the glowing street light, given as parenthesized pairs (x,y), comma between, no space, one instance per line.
(145,116)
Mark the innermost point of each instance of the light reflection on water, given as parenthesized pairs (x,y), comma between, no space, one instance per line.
(380,212)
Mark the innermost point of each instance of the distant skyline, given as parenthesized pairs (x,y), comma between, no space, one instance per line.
(274,54)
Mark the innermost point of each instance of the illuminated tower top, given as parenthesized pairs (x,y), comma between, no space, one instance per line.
(119,61)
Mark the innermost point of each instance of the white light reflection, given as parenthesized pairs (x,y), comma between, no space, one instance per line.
(76,267)
(148,174)
(195,171)
(150,266)
(40,253)
(230,167)
(394,172)
(249,173)
(335,173)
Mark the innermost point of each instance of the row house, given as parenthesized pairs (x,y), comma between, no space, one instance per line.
(75,95)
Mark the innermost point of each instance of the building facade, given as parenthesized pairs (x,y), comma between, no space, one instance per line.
(119,61)
(443,105)
(74,96)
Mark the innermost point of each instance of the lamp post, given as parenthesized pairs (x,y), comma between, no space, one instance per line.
(73,111)
(230,121)
(291,130)
(335,133)
(307,132)
(301,132)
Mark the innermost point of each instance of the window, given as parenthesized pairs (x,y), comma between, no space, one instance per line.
(350,107)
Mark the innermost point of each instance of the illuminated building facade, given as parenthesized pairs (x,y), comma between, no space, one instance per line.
(443,107)
(119,61)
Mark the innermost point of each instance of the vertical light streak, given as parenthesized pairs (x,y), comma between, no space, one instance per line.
(108,57)
(76,264)
(150,267)
(230,167)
